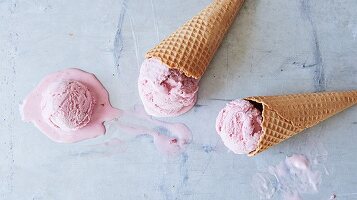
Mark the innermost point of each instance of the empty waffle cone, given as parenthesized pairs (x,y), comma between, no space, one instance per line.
(288,115)
(191,48)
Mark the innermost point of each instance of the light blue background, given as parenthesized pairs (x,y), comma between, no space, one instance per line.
(274,47)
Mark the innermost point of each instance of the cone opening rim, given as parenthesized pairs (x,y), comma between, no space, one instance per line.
(263,107)
(260,106)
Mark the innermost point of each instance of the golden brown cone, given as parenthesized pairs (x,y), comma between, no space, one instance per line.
(286,116)
(191,48)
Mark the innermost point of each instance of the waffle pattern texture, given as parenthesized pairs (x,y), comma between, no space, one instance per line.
(191,48)
(288,115)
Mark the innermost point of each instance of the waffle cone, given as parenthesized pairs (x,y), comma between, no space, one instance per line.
(288,115)
(191,48)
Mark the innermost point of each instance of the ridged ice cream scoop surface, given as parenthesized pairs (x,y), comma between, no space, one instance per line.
(67,105)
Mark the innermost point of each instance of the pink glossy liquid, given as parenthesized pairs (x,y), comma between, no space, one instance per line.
(168,144)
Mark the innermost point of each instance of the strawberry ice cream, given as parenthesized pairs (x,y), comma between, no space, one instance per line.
(165,92)
(239,125)
(69,106)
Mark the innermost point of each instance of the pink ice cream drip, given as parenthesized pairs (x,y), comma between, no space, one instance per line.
(165,92)
(67,105)
(239,125)
(170,139)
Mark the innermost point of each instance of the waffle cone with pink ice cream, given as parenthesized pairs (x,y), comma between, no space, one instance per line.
(254,124)
(169,77)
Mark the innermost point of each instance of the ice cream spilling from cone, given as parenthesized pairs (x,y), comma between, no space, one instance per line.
(165,92)
(239,126)
(69,106)
(254,124)
(168,80)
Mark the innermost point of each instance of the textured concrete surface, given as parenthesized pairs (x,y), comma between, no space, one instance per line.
(274,47)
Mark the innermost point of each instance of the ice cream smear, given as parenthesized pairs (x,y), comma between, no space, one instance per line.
(165,92)
(69,106)
(289,180)
(239,126)
(170,138)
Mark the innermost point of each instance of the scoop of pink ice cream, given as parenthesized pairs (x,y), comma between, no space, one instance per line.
(239,125)
(67,105)
(165,92)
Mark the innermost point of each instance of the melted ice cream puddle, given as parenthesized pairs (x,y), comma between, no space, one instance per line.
(52,120)
(289,179)
(173,142)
